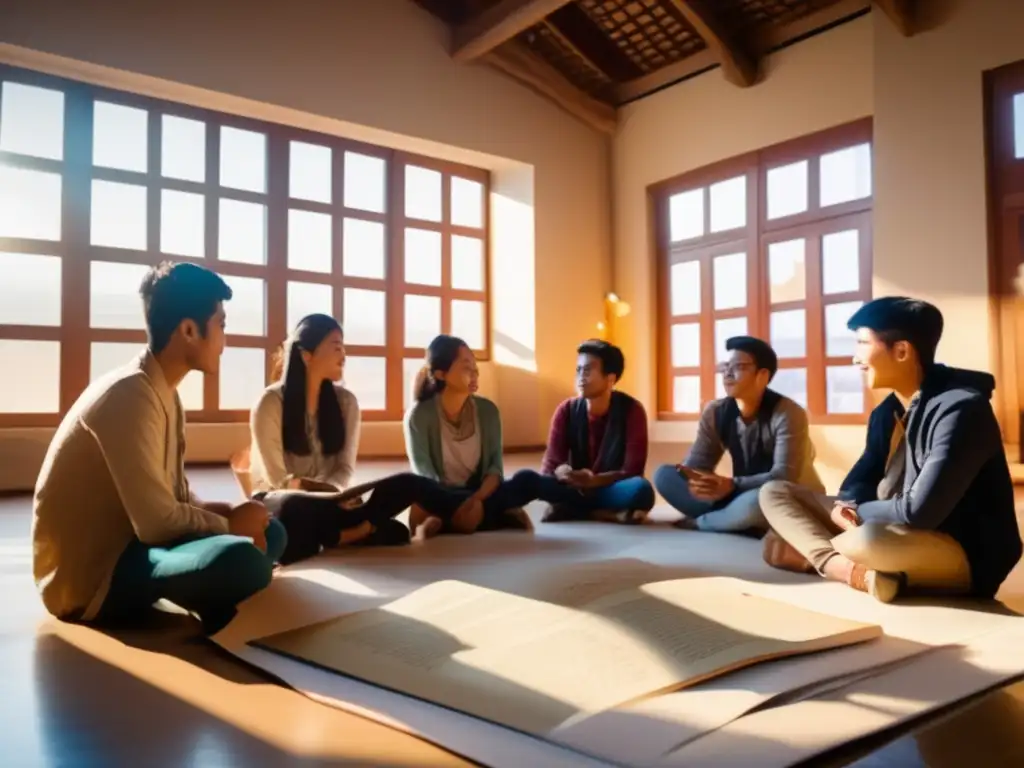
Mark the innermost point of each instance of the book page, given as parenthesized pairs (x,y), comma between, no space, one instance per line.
(531,665)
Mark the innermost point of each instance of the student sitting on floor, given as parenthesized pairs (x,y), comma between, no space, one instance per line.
(305,435)
(453,436)
(115,526)
(593,468)
(765,434)
(942,517)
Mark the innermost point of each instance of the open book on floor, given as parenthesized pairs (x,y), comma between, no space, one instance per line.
(533,665)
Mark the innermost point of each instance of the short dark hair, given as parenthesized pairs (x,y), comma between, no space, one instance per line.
(899,318)
(611,357)
(762,352)
(172,293)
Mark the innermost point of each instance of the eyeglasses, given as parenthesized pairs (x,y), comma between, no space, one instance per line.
(731,369)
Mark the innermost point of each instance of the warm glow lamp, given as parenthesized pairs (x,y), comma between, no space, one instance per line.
(614,308)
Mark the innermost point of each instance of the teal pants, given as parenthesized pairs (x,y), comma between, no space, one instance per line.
(208,576)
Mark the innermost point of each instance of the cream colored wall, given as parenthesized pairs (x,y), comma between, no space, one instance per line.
(824,81)
(376,71)
(930,218)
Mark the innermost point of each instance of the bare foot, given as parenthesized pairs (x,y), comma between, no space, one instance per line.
(417,516)
(778,553)
(428,529)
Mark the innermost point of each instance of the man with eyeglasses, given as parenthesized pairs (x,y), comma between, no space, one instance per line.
(764,433)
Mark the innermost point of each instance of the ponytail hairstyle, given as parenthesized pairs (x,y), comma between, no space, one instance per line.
(441,355)
(306,337)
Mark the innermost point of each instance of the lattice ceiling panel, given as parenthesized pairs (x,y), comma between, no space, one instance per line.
(753,13)
(563,56)
(650,32)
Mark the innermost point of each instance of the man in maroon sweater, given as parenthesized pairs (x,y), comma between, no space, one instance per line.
(593,468)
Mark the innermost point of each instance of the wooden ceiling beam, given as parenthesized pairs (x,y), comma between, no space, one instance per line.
(475,37)
(774,37)
(520,63)
(738,60)
(902,13)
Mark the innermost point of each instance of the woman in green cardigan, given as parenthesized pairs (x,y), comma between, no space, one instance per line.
(453,435)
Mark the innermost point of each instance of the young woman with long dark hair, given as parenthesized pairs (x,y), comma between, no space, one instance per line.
(453,436)
(305,435)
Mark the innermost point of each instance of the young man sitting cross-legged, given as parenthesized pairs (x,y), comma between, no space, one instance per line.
(115,526)
(765,434)
(593,468)
(941,516)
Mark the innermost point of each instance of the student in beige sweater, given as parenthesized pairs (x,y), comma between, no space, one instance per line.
(115,526)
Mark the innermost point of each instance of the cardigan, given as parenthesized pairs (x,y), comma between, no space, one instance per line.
(272,466)
(422,427)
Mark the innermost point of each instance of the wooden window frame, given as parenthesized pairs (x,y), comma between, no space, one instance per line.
(76,253)
(755,237)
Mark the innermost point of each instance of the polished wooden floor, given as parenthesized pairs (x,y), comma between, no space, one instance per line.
(165,697)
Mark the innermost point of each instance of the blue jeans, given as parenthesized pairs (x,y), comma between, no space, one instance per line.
(631,493)
(741,513)
(208,576)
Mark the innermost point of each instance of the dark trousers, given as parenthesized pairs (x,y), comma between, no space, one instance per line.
(208,576)
(511,493)
(628,494)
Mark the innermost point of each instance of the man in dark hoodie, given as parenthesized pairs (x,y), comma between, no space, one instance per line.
(930,503)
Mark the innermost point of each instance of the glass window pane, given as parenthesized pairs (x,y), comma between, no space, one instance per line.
(118,217)
(728,204)
(243,159)
(789,333)
(183,149)
(467,203)
(719,386)
(467,263)
(366,378)
(686,215)
(242,232)
(30,290)
(29,204)
(684,283)
(309,172)
(363,248)
(730,273)
(840,341)
(686,345)
(33,121)
(364,182)
(247,310)
(787,190)
(791,382)
(410,370)
(308,299)
(36,388)
(1018,126)
(422,320)
(120,137)
(243,375)
(787,271)
(725,330)
(422,193)
(365,319)
(468,322)
(114,300)
(309,241)
(844,389)
(846,175)
(840,262)
(686,394)
(422,256)
(182,223)
(105,357)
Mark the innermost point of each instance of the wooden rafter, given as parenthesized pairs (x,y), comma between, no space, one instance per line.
(521,63)
(902,13)
(477,36)
(735,55)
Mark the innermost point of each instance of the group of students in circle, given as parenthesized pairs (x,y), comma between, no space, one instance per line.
(116,527)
